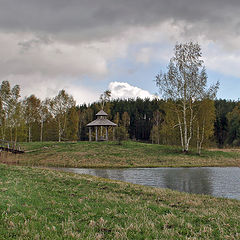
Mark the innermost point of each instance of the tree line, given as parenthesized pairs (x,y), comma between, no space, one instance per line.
(32,119)
(60,119)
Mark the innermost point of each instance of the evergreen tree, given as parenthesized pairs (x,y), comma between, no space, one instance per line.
(234,126)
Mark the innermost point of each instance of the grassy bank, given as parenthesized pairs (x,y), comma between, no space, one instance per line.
(46,204)
(109,154)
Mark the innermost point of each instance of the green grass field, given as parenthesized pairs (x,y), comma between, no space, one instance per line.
(109,154)
(46,204)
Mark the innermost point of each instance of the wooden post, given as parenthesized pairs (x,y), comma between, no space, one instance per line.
(90,134)
(106,133)
(96,134)
(113,134)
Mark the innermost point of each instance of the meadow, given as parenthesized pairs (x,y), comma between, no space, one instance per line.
(112,155)
(38,203)
(45,204)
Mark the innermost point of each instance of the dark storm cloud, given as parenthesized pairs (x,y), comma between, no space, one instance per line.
(88,19)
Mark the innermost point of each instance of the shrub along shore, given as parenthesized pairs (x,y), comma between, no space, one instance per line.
(45,204)
(112,155)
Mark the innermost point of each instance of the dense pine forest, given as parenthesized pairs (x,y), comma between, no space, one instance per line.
(60,119)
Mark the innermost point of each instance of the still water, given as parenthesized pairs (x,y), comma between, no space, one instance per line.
(219,182)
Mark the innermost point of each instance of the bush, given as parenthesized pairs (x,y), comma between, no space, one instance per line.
(121,134)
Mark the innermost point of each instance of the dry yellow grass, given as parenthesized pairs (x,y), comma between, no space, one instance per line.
(109,154)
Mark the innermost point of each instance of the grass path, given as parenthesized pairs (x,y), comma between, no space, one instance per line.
(109,154)
(47,204)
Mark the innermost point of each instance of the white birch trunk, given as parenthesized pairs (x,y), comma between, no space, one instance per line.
(41,133)
(29,133)
(202,138)
(59,131)
(185,127)
(181,131)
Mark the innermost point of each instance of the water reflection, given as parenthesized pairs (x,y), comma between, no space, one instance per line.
(189,180)
(220,182)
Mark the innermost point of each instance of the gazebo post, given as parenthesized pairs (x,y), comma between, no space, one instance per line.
(113,134)
(96,134)
(106,133)
(90,134)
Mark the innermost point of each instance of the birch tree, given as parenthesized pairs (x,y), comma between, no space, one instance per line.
(5,96)
(59,108)
(185,83)
(155,132)
(10,108)
(104,98)
(43,114)
(32,108)
(14,112)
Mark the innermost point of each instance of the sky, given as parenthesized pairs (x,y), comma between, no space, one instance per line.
(89,46)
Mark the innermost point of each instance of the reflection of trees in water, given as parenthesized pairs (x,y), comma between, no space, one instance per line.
(100,173)
(188,180)
(116,174)
(196,180)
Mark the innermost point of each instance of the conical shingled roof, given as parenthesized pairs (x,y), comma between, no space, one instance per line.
(101,113)
(101,121)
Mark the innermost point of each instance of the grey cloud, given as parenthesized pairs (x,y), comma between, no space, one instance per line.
(90,20)
(69,39)
(34,42)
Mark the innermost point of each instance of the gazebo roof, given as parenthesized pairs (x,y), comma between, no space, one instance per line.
(101,113)
(101,122)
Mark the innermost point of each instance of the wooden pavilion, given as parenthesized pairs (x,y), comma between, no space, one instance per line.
(101,122)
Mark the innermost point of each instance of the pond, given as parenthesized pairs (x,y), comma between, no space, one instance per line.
(215,181)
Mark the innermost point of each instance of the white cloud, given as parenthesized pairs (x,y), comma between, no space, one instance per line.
(43,87)
(124,90)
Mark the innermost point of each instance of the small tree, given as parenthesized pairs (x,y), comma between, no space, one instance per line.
(43,114)
(117,118)
(104,98)
(72,124)
(125,120)
(121,134)
(204,126)
(155,132)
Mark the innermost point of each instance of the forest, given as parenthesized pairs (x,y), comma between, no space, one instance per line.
(60,119)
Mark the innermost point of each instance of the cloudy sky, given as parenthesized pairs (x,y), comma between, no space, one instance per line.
(88,46)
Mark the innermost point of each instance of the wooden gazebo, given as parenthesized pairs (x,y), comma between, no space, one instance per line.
(100,122)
